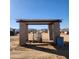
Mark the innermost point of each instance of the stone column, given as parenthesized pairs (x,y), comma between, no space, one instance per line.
(23,33)
(50,31)
(56,30)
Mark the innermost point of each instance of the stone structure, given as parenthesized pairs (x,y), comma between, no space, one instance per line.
(53,28)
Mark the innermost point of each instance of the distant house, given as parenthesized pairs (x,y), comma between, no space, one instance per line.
(12,32)
(32,30)
(44,30)
(65,30)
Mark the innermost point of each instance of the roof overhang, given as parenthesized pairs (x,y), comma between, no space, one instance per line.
(39,21)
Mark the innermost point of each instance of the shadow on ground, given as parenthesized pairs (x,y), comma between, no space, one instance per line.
(62,51)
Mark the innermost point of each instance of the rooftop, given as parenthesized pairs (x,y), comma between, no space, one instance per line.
(39,21)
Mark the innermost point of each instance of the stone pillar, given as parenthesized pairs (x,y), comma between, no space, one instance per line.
(50,31)
(56,30)
(23,33)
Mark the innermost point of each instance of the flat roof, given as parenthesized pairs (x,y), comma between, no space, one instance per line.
(39,21)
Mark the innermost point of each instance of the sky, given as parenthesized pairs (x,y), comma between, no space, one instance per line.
(39,9)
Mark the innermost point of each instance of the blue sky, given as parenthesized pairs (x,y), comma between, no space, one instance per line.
(51,9)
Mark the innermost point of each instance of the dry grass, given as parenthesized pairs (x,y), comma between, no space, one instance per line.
(37,52)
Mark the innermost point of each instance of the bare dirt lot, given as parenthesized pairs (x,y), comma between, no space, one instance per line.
(38,52)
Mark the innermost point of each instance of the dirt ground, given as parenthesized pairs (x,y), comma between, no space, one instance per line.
(39,51)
